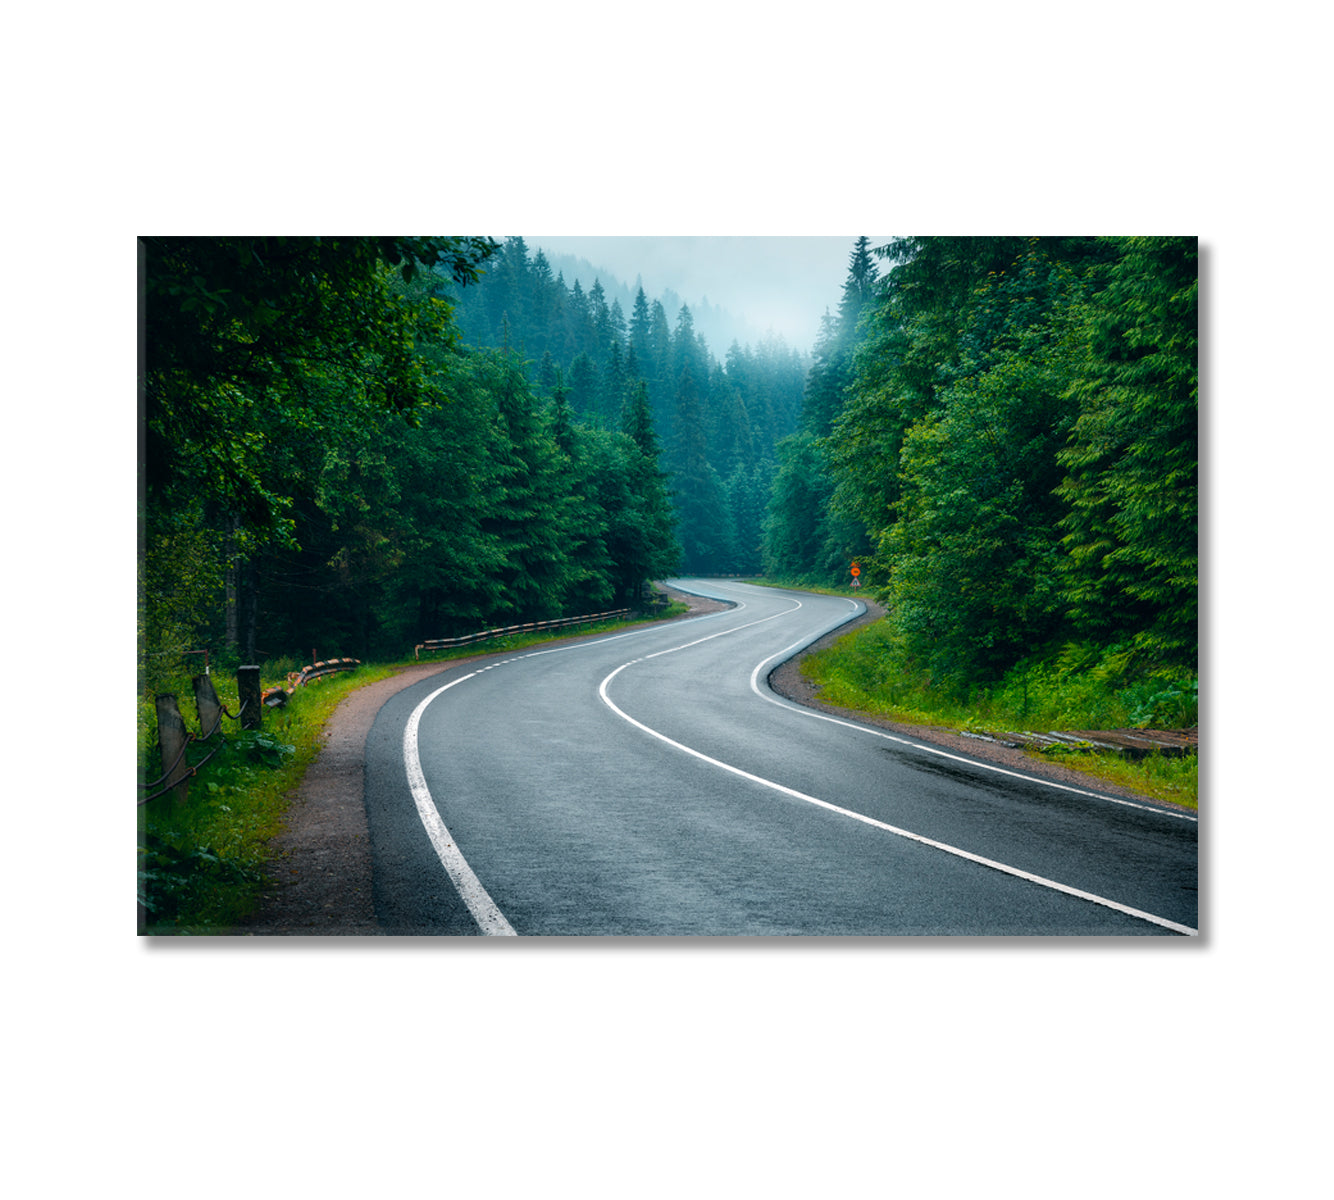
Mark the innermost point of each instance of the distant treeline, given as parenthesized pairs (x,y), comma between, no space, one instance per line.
(325,466)
(719,421)
(1005,437)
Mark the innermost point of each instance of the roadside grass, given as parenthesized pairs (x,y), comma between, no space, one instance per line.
(203,864)
(800,585)
(1073,689)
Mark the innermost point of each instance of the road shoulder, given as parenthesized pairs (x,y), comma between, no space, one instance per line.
(321,865)
(788,681)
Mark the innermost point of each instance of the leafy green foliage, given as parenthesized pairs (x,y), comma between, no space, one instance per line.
(257,344)
(259,747)
(1019,441)
(973,548)
(201,864)
(794,533)
(1131,544)
(261,356)
(381,484)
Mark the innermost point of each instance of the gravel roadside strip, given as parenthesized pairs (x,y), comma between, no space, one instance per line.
(321,868)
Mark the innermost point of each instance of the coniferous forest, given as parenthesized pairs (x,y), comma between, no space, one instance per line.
(358,443)
(1004,431)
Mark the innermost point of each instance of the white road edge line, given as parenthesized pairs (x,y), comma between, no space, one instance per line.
(484,910)
(783,655)
(864,819)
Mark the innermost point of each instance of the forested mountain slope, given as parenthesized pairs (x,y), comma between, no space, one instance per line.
(356,443)
(718,420)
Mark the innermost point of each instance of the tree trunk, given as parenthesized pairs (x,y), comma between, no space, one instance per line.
(233,640)
(249,610)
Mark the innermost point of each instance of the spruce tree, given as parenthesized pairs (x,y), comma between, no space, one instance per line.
(584,388)
(654,551)
(705,533)
(641,329)
(1132,463)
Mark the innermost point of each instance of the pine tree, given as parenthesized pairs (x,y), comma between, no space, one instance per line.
(534,513)
(804,473)
(831,374)
(747,493)
(658,366)
(584,387)
(542,307)
(616,326)
(612,389)
(705,533)
(562,418)
(600,318)
(1132,462)
(579,337)
(651,549)
(687,358)
(547,374)
(858,291)
(793,525)
(641,328)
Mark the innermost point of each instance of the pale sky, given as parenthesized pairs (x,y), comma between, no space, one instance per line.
(783,283)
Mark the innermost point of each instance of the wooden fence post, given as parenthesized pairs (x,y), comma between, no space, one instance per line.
(172,739)
(207,706)
(247,685)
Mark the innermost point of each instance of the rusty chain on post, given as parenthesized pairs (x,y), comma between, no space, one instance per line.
(295,679)
(193,768)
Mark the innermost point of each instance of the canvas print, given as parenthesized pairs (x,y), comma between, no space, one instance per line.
(668,587)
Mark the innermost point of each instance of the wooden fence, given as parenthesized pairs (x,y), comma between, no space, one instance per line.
(469,639)
(174,739)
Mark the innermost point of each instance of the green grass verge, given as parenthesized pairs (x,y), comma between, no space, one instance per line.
(865,672)
(203,864)
(801,585)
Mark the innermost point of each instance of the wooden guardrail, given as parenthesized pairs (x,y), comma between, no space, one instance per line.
(274,697)
(469,639)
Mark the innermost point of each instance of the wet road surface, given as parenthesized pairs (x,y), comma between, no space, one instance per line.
(649,783)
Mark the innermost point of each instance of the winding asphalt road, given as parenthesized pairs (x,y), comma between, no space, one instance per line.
(650,782)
